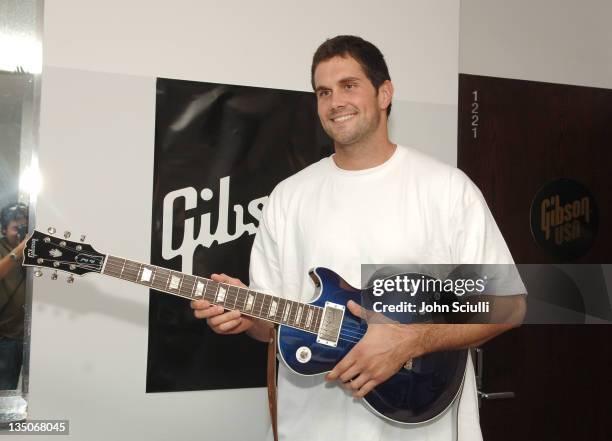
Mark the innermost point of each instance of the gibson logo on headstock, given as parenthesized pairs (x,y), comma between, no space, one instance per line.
(32,248)
(205,236)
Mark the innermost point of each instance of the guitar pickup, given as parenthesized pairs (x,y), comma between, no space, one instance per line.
(329,330)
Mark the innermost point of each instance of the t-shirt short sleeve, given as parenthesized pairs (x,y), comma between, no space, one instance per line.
(475,236)
(477,240)
(264,267)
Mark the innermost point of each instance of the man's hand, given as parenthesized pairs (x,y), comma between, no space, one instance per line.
(384,349)
(231,322)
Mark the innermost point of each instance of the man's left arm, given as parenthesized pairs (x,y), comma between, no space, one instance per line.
(386,347)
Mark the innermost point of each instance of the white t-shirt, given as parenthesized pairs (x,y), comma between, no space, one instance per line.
(410,209)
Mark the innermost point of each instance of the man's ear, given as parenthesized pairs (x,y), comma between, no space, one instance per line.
(385,94)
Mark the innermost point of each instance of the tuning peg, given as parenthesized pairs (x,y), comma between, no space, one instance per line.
(54,275)
(82,238)
(51,230)
(66,234)
(70,279)
(38,273)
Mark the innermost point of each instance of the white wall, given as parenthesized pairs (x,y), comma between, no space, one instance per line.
(556,41)
(89,340)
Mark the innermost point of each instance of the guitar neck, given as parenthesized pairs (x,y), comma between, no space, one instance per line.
(252,303)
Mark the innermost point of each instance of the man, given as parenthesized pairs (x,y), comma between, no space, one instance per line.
(370,202)
(13,219)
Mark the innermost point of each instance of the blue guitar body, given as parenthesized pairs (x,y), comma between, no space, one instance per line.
(411,396)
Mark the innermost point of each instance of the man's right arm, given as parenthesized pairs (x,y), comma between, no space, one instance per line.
(264,274)
(230,322)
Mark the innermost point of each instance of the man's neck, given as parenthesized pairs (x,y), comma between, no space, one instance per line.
(361,156)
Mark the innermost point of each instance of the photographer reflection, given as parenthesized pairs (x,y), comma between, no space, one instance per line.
(14,224)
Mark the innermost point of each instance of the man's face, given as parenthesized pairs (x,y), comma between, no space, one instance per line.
(347,102)
(11,233)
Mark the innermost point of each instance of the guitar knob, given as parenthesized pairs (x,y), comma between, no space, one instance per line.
(303,354)
(66,234)
(38,273)
(54,275)
(51,230)
(82,238)
(70,279)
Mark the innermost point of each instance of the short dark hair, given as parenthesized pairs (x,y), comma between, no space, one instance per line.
(13,212)
(365,53)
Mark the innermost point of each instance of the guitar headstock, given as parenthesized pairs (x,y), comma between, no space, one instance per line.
(46,250)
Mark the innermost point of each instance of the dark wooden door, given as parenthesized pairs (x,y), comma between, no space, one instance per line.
(514,137)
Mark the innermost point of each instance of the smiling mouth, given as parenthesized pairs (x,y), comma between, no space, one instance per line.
(343,118)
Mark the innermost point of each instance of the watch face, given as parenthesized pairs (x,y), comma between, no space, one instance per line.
(564,219)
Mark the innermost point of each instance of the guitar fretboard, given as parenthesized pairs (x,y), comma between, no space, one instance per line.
(252,303)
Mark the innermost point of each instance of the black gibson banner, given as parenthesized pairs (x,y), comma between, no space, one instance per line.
(219,151)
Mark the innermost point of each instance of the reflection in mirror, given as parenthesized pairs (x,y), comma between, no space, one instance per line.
(14,227)
(20,68)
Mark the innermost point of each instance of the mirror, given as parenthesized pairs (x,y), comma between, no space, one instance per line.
(20,69)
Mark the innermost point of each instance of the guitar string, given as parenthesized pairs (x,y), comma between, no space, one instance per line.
(353,330)
(347,333)
(162,276)
(343,335)
(127,261)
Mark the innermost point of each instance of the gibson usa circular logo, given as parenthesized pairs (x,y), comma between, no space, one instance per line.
(564,218)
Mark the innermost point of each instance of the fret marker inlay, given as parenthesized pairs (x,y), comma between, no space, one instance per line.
(146,275)
(221,295)
(199,289)
(174,282)
(273,308)
(309,318)
(249,303)
(287,311)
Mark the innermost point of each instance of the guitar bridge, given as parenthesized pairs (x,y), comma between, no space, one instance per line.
(329,331)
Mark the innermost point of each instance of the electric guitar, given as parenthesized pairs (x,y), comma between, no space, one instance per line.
(312,337)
